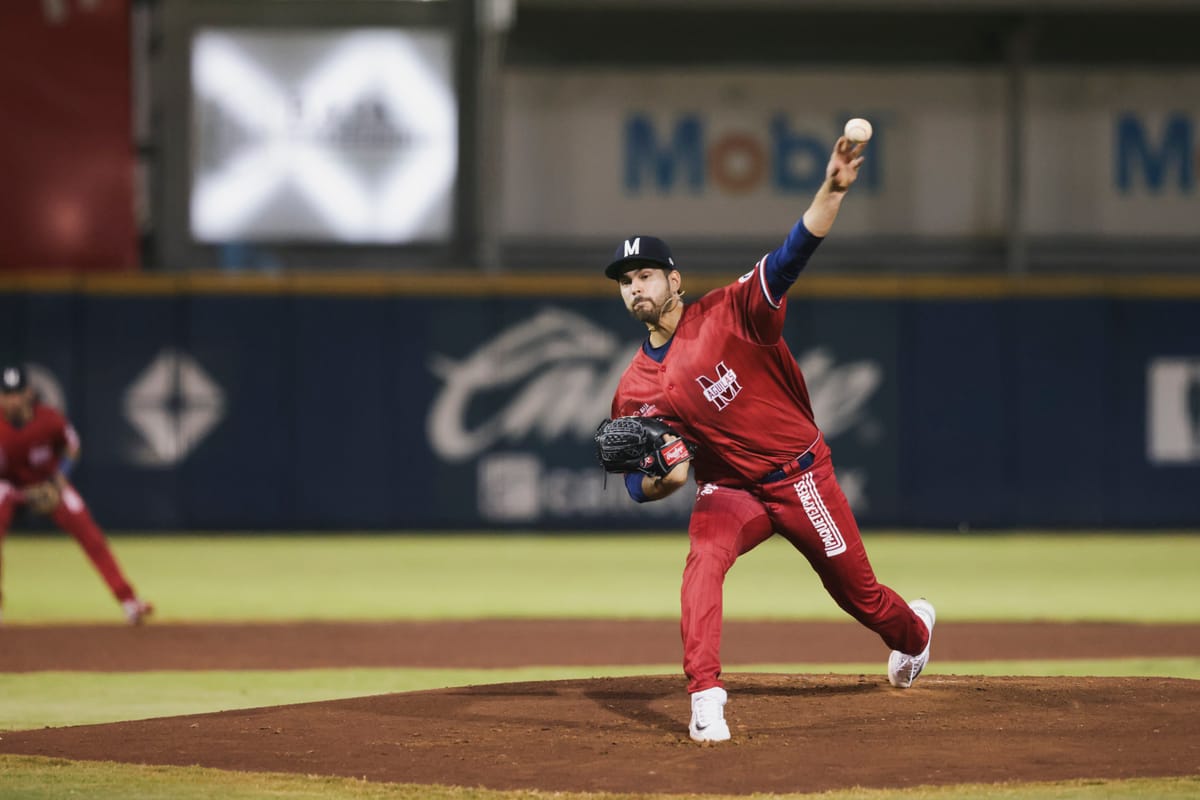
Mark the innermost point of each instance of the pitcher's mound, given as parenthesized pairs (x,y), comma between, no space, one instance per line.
(791,733)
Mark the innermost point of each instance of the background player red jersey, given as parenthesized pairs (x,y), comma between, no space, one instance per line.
(32,451)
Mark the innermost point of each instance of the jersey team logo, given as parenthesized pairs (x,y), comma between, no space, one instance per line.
(720,392)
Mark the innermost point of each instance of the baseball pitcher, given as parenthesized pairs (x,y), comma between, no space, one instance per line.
(715,389)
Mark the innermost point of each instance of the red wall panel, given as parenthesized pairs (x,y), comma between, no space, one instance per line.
(66,141)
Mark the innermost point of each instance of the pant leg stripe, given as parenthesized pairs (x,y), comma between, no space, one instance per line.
(835,543)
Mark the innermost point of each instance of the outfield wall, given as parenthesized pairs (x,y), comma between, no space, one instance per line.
(375,403)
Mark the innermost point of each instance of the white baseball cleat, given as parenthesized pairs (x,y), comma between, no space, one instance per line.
(136,610)
(903,669)
(708,716)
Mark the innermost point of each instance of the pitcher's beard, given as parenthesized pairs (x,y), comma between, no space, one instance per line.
(649,313)
(646,312)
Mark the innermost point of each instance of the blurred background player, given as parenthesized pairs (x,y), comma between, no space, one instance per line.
(720,373)
(38,448)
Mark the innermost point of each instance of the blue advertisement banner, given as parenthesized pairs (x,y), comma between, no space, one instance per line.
(351,412)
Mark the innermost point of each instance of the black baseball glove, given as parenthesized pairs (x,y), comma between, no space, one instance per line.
(628,444)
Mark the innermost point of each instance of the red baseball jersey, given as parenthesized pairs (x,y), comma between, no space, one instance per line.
(30,454)
(728,382)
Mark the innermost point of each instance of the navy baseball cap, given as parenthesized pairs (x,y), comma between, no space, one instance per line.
(12,378)
(637,249)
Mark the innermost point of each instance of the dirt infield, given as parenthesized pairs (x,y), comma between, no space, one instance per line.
(792,733)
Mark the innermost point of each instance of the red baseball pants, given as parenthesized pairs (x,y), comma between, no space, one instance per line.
(810,511)
(72,516)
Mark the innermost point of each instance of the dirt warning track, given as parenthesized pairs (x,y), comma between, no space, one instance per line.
(514,643)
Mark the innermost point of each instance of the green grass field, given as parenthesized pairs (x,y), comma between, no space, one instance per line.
(1032,576)
(1113,577)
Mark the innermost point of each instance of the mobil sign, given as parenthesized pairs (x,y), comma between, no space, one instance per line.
(694,153)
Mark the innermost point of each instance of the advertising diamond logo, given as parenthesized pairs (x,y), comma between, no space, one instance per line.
(174,404)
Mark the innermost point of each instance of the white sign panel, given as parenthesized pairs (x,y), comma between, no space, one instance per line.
(741,152)
(711,153)
(346,136)
(1173,411)
(1114,153)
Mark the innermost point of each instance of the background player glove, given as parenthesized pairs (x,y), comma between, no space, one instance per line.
(42,498)
(628,444)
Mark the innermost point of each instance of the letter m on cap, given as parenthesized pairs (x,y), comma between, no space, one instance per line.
(633,247)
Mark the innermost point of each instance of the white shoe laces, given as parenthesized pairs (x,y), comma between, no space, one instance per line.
(908,667)
(914,664)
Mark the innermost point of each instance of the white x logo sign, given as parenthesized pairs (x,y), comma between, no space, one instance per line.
(358,129)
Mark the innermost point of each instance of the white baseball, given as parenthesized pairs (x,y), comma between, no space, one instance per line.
(858,130)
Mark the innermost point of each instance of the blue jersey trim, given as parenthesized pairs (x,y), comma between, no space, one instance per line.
(783,265)
(633,484)
(657,353)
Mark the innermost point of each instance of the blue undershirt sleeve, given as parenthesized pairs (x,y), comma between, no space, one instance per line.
(633,484)
(785,263)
